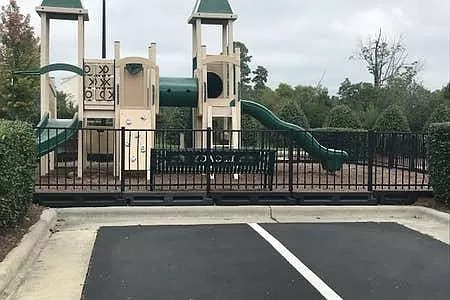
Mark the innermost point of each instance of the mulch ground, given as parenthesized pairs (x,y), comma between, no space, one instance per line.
(11,237)
(306,177)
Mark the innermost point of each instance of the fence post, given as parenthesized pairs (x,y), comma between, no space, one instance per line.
(208,160)
(122,159)
(370,159)
(291,161)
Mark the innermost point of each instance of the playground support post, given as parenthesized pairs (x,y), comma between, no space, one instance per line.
(45,58)
(82,156)
(104,30)
(208,161)
(291,161)
(122,159)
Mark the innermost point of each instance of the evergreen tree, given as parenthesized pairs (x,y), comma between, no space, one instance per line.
(392,119)
(245,68)
(342,116)
(19,50)
(292,112)
(260,78)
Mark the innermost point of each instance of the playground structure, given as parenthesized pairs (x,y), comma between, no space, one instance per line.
(128,92)
(112,153)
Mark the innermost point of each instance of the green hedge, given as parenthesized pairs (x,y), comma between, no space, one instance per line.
(353,141)
(440,115)
(17,170)
(439,160)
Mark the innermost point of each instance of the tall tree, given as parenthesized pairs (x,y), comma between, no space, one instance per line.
(245,61)
(315,102)
(386,59)
(260,78)
(19,50)
(285,91)
(358,96)
(65,108)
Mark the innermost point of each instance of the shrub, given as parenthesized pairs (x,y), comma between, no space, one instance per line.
(439,160)
(292,112)
(341,116)
(250,126)
(392,119)
(353,141)
(440,115)
(17,167)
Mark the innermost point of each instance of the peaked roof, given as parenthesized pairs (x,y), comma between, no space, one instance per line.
(63,3)
(212,11)
(63,9)
(214,7)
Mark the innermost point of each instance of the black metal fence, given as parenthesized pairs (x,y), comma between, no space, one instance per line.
(120,160)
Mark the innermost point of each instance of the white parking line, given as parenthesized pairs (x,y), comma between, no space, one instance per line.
(312,278)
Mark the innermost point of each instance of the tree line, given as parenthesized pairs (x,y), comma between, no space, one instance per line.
(394,101)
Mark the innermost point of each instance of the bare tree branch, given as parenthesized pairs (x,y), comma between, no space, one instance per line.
(386,59)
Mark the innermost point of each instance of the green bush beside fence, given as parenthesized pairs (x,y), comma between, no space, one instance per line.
(439,160)
(17,170)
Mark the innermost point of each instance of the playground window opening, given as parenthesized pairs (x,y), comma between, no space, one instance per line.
(213,38)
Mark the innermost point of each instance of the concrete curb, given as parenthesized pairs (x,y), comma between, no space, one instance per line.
(17,258)
(200,212)
(360,212)
(438,216)
(254,212)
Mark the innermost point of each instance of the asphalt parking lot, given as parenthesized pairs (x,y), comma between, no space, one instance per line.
(267,261)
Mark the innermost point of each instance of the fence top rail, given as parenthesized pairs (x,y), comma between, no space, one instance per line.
(400,132)
(313,132)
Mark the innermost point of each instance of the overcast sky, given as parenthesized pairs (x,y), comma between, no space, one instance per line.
(297,41)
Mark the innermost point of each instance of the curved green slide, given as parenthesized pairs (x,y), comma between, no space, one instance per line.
(53,132)
(332,160)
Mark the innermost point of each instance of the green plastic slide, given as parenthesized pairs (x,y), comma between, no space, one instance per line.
(53,132)
(332,160)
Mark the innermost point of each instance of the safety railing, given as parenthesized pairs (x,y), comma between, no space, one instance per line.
(121,160)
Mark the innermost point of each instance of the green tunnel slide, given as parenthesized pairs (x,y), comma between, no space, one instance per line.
(331,160)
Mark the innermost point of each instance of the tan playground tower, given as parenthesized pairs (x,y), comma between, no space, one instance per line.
(60,10)
(215,101)
(127,92)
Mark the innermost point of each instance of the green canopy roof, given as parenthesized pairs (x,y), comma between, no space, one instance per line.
(212,12)
(214,7)
(62,3)
(63,9)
